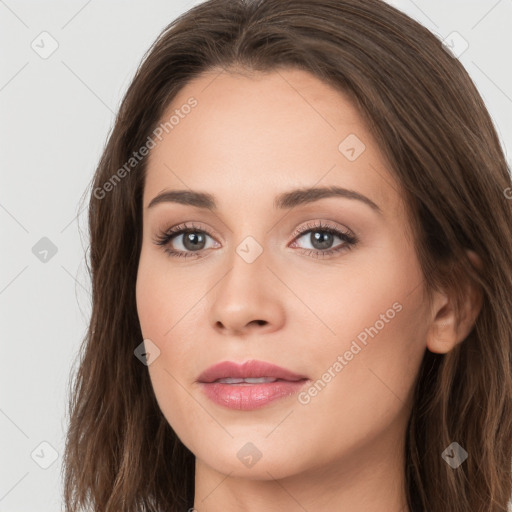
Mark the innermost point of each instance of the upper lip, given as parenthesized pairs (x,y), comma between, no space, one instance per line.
(249,369)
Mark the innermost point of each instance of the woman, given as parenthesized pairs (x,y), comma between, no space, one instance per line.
(301,257)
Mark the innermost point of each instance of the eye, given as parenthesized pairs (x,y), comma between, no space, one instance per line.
(321,238)
(189,239)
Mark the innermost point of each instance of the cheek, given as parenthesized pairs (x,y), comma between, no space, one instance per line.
(163,296)
(148,297)
(374,297)
(377,317)
(167,316)
(381,332)
(363,382)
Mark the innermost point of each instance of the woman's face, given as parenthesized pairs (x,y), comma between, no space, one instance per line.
(326,286)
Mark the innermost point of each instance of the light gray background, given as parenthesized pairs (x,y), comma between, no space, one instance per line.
(55,117)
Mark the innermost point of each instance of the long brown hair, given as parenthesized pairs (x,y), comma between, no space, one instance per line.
(432,126)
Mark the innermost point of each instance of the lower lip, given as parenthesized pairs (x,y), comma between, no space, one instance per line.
(246,396)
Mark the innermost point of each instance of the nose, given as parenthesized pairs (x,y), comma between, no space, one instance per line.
(247,299)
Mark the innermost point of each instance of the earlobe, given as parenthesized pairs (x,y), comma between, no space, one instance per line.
(445,330)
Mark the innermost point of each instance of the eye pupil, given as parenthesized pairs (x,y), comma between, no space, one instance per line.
(321,238)
(193,240)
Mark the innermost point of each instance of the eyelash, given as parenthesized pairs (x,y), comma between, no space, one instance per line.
(350,240)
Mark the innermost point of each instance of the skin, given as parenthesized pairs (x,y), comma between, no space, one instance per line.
(249,139)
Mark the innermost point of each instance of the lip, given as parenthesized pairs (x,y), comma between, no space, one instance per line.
(246,396)
(249,369)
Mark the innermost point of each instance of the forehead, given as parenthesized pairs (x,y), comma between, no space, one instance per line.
(264,132)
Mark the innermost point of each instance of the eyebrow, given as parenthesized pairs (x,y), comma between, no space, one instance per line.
(284,200)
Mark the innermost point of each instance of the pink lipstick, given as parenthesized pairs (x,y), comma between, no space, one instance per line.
(249,385)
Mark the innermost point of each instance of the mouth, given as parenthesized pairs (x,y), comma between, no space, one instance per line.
(250,385)
(254,380)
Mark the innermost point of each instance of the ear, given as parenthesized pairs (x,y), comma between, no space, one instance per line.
(445,332)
